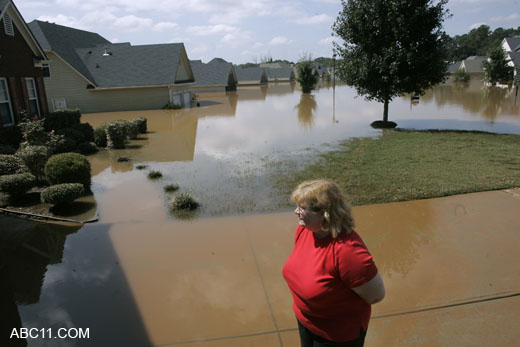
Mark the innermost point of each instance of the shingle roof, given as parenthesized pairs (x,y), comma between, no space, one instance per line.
(513,42)
(3,4)
(132,66)
(474,64)
(515,57)
(214,73)
(280,73)
(454,67)
(64,40)
(250,74)
(217,60)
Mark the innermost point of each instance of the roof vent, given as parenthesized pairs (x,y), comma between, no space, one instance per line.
(8,25)
(106,53)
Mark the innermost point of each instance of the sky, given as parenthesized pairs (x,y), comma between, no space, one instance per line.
(238,31)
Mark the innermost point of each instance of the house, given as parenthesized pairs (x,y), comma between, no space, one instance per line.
(320,69)
(88,72)
(511,46)
(453,67)
(473,65)
(278,65)
(216,76)
(21,74)
(280,74)
(251,76)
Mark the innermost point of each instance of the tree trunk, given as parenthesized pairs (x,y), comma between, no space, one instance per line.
(385,111)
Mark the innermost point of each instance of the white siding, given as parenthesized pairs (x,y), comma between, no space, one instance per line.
(67,84)
(182,71)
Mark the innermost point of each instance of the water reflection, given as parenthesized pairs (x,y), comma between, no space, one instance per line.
(306,107)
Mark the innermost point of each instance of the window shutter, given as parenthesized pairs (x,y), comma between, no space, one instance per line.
(8,25)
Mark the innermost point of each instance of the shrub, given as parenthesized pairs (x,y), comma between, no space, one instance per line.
(73,135)
(87,131)
(35,158)
(7,149)
(100,136)
(184,202)
(11,164)
(141,167)
(307,77)
(62,119)
(87,148)
(131,128)
(171,188)
(116,134)
(141,123)
(122,158)
(461,76)
(34,133)
(171,106)
(68,168)
(153,174)
(62,193)
(17,184)
(60,144)
(11,136)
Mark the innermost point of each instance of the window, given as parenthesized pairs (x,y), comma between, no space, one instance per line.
(6,111)
(8,25)
(33,97)
(46,70)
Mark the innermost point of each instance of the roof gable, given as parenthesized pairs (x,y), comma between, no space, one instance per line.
(214,73)
(7,6)
(513,43)
(251,74)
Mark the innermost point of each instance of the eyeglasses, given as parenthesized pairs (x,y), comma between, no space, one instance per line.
(305,209)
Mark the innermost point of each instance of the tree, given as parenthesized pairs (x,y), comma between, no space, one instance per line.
(497,70)
(461,75)
(306,75)
(391,47)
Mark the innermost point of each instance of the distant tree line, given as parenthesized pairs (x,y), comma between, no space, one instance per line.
(479,41)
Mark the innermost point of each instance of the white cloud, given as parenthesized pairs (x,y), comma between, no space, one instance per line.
(317,19)
(133,23)
(258,45)
(236,38)
(63,20)
(164,26)
(326,41)
(279,40)
(218,29)
(514,17)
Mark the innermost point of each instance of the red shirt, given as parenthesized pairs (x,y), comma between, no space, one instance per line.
(320,274)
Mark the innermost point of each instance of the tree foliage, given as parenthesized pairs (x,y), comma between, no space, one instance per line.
(497,70)
(391,47)
(306,75)
(461,75)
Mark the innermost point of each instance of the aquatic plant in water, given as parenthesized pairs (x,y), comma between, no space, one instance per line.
(153,174)
(184,202)
(171,188)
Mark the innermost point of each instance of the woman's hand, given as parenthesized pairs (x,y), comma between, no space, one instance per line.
(373,291)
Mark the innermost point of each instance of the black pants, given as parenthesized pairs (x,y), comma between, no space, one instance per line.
(309,339)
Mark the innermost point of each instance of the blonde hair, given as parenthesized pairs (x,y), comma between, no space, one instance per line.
(325,195)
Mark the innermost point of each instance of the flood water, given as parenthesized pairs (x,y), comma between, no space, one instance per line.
(140,277)
(227,152)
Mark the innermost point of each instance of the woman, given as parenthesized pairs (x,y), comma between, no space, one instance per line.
(330,271)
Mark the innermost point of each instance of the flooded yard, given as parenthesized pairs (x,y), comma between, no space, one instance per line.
(141,277)
(228,152)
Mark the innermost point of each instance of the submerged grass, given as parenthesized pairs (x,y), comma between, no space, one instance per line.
(406,165)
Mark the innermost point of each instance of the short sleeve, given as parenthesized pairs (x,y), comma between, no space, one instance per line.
(355,263)
(299,231)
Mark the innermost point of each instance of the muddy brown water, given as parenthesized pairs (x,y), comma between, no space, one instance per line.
(140,277)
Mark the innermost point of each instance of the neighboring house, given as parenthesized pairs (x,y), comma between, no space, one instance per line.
(511,46)
(251,76)
(452,68)
(21,60)
(88,72)
(215,76)
(473,65)
(320,69)
(279,65)
(280,74)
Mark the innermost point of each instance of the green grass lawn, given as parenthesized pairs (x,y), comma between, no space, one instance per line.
(407,165)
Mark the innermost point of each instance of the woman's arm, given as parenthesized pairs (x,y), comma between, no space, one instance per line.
(373,291)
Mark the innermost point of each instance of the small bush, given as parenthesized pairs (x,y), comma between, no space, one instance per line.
(141,123)
(87,148)
(171,106)
(116,134)
(62,193)
(17,184)
(141,167)
(68,168)
(11,164)
(62,119)
(123,159)
(72,134)
(7,149)
(132,130)
(153,174)
(60,144)
(34,133)
(11,136)
(184,202)
(35,158)
(171,188)
(461,76)
(86,130)
(100,136)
